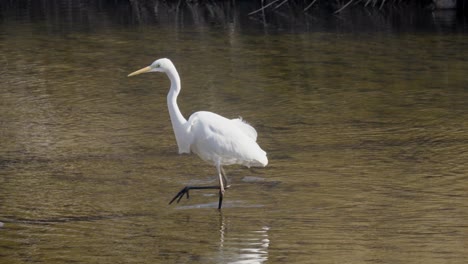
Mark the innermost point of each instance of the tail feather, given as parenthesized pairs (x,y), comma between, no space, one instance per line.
(263,161)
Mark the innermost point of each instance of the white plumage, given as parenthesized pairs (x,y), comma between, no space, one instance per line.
(214,138)
(225,141)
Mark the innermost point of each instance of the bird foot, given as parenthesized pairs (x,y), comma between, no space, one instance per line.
(186,189)
(181,194)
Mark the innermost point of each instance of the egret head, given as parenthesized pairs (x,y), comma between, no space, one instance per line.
(161,65)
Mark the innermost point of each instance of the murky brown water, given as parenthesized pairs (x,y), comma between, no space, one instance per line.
(366,136)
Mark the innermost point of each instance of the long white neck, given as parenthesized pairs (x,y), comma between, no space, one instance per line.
(177,119)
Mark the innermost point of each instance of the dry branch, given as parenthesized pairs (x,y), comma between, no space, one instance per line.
(262,8)
(343,7)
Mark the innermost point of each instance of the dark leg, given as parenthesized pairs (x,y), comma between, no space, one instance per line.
(186,190)
(221,195)
(223,184)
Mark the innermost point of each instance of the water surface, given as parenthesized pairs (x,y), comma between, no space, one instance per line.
(365,134)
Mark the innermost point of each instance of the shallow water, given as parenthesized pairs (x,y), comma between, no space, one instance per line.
(365,134)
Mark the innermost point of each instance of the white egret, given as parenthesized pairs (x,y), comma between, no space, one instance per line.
(215,139)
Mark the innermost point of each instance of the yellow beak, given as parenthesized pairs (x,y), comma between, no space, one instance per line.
(145,69)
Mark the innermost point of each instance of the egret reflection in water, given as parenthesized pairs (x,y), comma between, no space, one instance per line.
(247,247)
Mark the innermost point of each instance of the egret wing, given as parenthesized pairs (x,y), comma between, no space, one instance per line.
(225,141)
(245,128)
